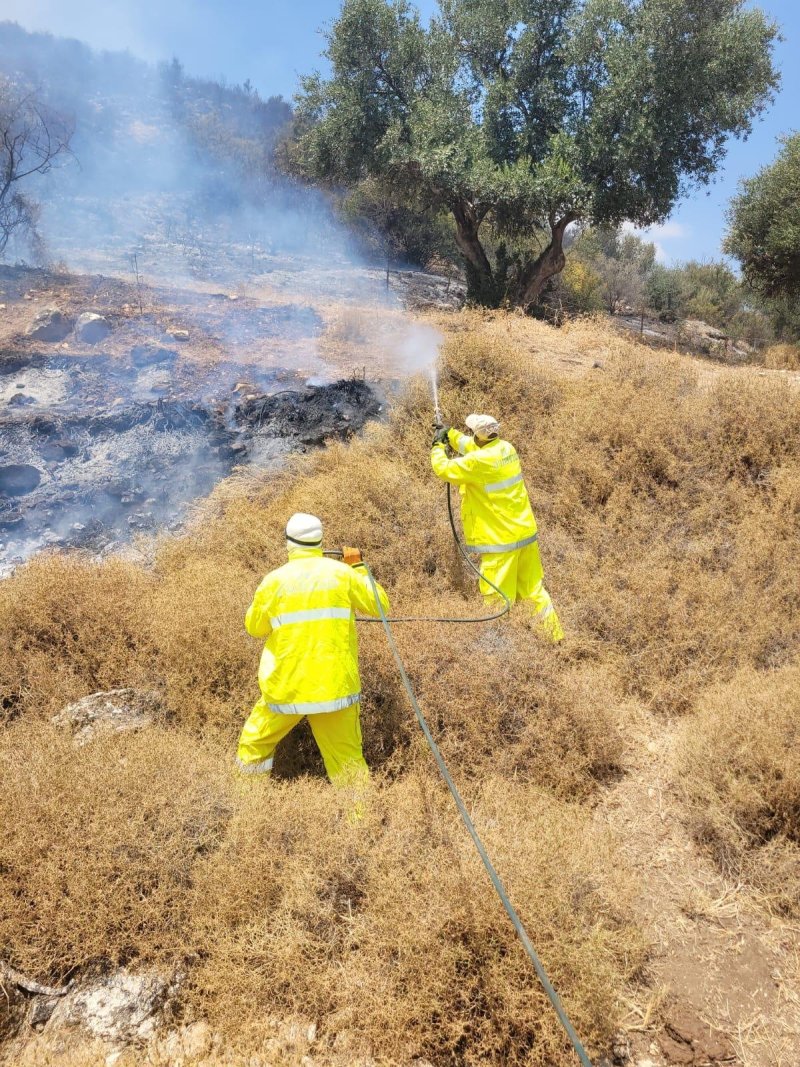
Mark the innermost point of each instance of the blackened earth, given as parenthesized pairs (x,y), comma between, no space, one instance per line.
(97,451)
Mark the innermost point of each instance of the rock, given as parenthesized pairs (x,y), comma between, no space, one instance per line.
(620,1049)
(41,1011)
(181,1047)
(177,335)
(17,479)
(52,452)
(43,425)
(91,328)
(115,711)
(119,1009)
(55,451)
(699,335)
(10,519)
(50,325)
(20,400)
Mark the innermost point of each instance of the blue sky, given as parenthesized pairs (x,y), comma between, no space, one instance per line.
(274,43)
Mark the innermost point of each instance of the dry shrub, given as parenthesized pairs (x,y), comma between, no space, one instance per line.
(99,843)
(669,517)
(782,357)
(663,509)
(389,934)
(69,628)
(739,762)
(501,704)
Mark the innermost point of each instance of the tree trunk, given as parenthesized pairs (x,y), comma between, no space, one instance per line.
(549,263)
(480,277)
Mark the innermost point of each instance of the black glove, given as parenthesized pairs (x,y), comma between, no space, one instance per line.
(440,437)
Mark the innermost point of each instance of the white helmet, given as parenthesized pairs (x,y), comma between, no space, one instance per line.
(304,529)
(483,425)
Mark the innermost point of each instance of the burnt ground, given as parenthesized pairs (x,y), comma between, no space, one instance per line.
(99,443)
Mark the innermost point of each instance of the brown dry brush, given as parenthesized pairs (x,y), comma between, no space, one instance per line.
(739,762)
(782,357)
(669,518)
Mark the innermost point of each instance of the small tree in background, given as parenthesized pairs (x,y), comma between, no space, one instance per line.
(520,117)
(712,292)
(666,292)
(764,235)
(32,138)
(764,225)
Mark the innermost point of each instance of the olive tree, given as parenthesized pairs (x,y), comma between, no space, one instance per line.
(520,117)
(32,137)
(764,225)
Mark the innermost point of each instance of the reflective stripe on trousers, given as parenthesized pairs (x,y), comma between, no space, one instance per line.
(504,548)
(311,615)
(319,707)
(264,767)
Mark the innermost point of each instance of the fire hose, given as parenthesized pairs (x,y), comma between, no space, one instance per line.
(465,554)
(386,621)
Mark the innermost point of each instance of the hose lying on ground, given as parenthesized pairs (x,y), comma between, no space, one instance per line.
(386,621)
(468,823)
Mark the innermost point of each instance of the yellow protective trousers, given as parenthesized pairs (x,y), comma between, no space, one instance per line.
(337,733)
(521,577)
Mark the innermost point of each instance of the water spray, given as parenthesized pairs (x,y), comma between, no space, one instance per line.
(438,421)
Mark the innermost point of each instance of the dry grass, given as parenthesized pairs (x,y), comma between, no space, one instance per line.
(782,357)
(390,932)
(740,766)
(669,517)
(98,845)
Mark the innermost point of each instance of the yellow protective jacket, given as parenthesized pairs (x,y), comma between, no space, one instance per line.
(495,509)
(306,610)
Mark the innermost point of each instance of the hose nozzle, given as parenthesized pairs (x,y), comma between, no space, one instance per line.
(438,420)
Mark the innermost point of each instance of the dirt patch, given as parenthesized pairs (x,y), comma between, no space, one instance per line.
(722,971)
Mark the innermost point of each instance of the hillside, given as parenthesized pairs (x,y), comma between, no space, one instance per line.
(636,786)
(153,149)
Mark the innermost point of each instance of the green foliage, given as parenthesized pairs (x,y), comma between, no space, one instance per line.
(402,233)
(230,126)
(622,262)
(526,115)
(712,292)
(764,225)
(784,314)
(666,292)
(612,269)
(708,291)
(578,290)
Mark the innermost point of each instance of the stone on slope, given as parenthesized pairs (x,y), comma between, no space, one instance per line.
(91,328)
(50,325)
(120,1008)
(115,710)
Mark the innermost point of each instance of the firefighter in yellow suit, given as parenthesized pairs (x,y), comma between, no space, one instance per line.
(309,667)
(496,514)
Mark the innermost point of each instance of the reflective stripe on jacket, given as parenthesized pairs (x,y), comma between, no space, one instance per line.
(306,611)
(495,508)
